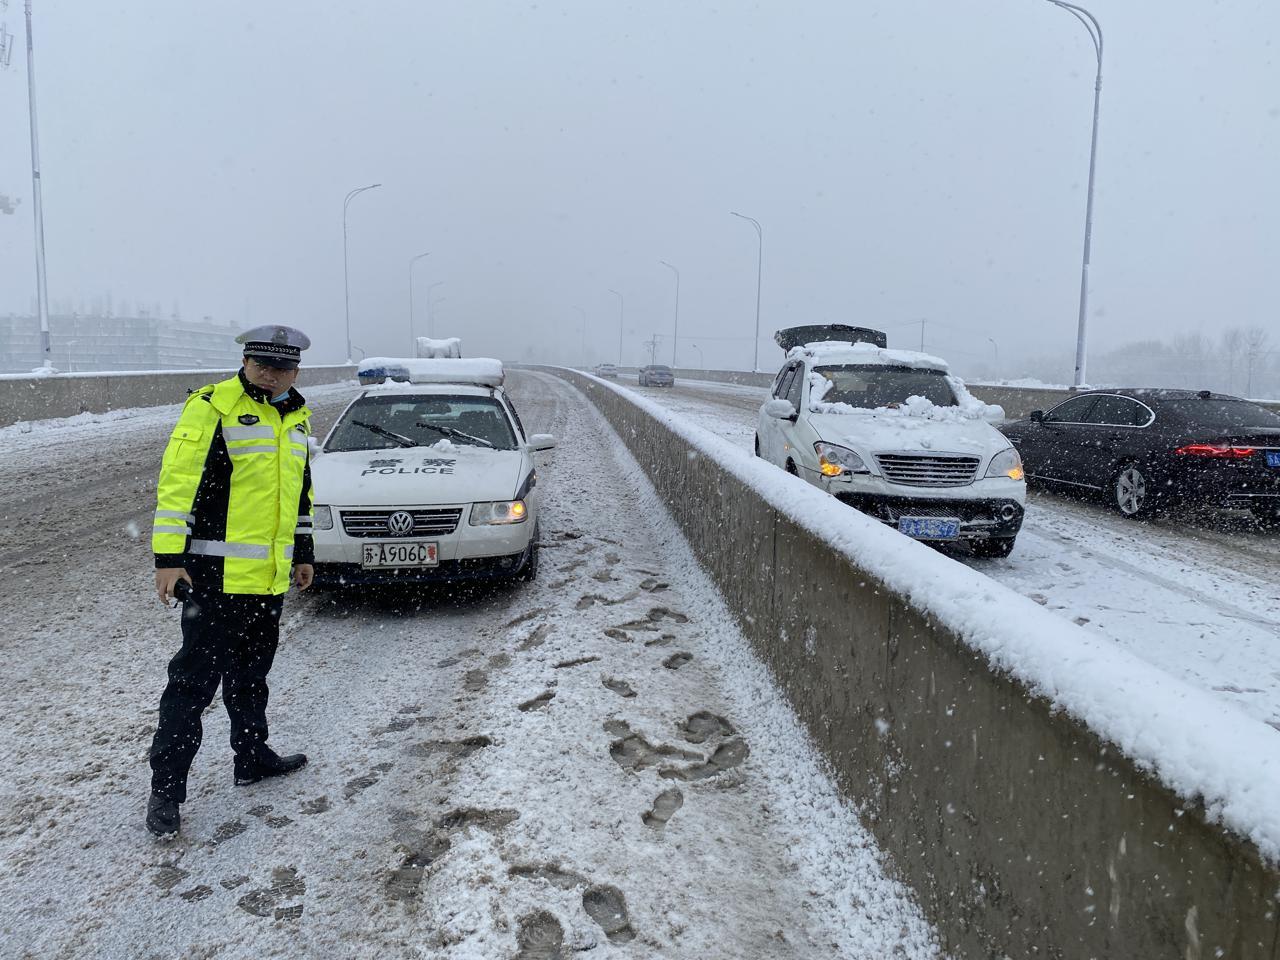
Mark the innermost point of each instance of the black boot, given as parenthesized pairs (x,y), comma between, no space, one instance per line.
(163,818)
(252,769)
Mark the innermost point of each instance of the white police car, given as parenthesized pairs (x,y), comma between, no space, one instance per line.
(428,475)
(893,434)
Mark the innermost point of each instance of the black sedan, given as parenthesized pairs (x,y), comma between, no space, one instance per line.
(1143,449)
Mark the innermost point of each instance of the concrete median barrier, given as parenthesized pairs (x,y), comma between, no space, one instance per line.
(65,395)
(1024,832)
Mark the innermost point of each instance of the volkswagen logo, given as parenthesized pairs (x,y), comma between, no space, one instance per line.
(400,523)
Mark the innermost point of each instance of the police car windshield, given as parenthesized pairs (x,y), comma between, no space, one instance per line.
(873,385)
(380,422)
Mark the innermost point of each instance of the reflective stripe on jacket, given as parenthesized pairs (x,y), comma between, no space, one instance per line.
(233,504)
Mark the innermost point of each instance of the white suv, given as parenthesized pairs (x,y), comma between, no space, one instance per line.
(891,433)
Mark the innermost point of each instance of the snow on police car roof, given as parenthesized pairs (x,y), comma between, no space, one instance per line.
(482,371)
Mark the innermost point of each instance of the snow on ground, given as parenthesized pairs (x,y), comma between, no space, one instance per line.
(1195,594)
(595,760)
(1199,742)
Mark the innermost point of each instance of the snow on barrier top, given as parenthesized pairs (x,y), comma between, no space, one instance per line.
(481,371)
(1202,748)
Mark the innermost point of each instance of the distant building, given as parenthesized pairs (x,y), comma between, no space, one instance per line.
(84,343)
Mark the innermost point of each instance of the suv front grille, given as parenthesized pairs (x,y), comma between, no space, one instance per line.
(927,470)
(427,522)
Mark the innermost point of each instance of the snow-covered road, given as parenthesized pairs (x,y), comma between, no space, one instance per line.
(1196,594)
(592,761)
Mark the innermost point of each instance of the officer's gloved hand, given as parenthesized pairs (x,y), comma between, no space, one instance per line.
(167,579)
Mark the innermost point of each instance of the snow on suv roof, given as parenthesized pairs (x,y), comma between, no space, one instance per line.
(478,371)
(866,354)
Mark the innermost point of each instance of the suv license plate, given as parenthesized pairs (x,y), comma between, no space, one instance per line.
(930,528)
(419,553)
(1273,458)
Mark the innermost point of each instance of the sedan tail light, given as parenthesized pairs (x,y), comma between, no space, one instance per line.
(1220,452)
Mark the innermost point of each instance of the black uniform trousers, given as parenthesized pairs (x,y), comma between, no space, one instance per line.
(230,638)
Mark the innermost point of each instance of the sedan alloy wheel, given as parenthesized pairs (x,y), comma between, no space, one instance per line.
(1132,496)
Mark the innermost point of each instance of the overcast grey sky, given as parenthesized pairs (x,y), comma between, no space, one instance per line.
(907,158)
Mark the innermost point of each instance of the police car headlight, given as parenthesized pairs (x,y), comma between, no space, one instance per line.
(1006,463)
(500,511)
(323,518)
(833,460)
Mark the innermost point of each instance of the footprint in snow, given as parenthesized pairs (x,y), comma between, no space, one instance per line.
(665,806)
(726,757)
(620,687)
(677,660)
(404,880)
(285,885)
(704,725)
(608,908)
(538,702)
(540,938)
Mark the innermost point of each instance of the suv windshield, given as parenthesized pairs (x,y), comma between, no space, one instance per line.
(379,422)
(873,385)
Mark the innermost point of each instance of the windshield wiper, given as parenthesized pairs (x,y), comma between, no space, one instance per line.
(457,434)
(383,432)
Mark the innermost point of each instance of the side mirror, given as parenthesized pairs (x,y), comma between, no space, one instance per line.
(994,413)
(781,409)
(1037,416)
(542,441)
(313,445)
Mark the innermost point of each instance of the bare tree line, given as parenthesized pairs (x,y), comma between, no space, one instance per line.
(1243,361)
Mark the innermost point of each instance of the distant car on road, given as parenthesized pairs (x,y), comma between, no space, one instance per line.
(428,475)
(1143,449)
(891,433)
(657,375)
(607,370)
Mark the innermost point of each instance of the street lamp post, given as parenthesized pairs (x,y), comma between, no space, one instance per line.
(622,317)
(1095,34)
(37,202)
(584,336)
(702,362)
(755,363)
(412,341)
(431,309)
(346,282)
(996,347)
(675,340)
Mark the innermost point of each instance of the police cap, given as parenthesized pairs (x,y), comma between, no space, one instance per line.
(275,345)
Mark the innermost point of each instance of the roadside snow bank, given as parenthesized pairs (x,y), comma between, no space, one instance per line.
(1204,750)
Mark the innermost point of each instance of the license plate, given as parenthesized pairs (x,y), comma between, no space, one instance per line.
(387,555)
(1273,458)
(930,528)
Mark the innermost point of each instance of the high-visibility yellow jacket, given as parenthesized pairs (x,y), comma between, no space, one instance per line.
(233,505)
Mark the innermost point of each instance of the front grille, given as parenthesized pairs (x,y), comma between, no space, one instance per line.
(432,522)
(927,470)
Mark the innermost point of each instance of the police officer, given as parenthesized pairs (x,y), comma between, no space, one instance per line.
(232,525)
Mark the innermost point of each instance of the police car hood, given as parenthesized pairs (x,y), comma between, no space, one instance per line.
(886,431)
(417,475)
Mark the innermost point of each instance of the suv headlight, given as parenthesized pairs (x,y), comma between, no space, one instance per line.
(323,518)
(833,460)
(499,511)
(1006,463)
